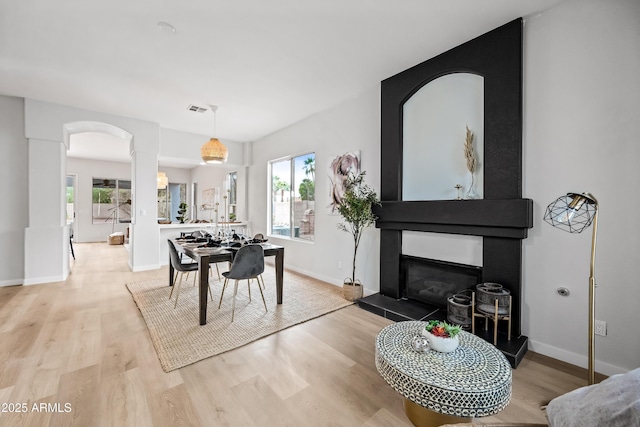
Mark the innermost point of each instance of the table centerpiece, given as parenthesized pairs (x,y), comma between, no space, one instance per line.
(442,336)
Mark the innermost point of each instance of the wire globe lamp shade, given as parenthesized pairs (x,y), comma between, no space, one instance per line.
(214,152)
(572,212)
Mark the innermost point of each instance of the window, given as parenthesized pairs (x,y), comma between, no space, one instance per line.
(111,199)
(71,197)
(194,200)
(292,197)
(169,200)
(233,195)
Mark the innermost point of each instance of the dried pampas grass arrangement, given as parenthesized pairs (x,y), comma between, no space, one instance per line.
(472,162)
(469,154)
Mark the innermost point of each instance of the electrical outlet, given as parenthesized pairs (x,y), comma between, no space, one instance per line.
(339,264)
(601,328)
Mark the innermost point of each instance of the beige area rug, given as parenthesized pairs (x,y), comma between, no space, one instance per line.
(179,339)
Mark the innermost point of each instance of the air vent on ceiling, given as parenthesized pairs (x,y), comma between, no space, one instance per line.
(196,109)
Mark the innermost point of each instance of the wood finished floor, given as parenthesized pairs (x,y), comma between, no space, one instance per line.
(81,346)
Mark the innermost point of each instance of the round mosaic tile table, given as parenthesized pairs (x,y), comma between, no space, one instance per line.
(473,381)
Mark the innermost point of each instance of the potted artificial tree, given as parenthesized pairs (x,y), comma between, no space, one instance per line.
(355,209)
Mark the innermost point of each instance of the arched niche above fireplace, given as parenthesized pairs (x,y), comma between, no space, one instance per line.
(434,125)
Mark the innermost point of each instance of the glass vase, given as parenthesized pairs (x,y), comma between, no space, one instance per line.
(471,192)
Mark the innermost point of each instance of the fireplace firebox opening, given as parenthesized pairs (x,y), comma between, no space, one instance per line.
(432,282)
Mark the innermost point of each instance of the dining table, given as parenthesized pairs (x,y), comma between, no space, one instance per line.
(204,255)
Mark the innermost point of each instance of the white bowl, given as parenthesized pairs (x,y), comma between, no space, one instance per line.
(441,344)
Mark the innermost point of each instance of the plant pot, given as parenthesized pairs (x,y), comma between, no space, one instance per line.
(441,344)
(351,292)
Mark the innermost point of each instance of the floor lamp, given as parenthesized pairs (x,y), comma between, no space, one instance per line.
(574,213)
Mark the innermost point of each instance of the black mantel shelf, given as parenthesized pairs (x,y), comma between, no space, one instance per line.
(497,218)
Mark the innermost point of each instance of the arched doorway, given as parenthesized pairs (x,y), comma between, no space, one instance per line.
(48,128)
(101,163)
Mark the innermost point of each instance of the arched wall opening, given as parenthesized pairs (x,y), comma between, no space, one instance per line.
(99,157)
(48,128)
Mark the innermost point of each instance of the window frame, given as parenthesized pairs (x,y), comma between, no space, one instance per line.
(115,216)
(232,185)
(291,159)
(168,201)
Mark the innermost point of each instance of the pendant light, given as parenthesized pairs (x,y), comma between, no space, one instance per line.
(214,151)
(163,180)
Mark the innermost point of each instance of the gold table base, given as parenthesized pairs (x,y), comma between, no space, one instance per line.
(423,417)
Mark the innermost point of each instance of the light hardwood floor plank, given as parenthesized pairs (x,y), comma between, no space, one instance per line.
(81,390)
(211,396)
(124,401)
(384,418)
(173,407)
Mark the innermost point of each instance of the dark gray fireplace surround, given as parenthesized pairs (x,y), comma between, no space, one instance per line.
(502,217)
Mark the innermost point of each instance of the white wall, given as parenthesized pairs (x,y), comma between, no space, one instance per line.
(178,176)
(85,170)
(582,127)
(354,125)
(14,176)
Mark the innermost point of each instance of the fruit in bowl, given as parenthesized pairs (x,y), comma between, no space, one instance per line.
(442,336)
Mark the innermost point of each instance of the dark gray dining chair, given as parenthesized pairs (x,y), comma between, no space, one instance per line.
(248,263)
(73,254)
(196,235)
(182,269)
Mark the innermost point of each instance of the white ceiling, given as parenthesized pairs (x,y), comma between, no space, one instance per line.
(98,145)
(266,63)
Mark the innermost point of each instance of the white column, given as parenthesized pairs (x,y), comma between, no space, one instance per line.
(47,236)
(145,231)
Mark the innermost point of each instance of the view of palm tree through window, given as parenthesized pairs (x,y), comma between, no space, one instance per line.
(293,185)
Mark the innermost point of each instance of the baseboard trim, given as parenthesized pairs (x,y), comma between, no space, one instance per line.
(13,282)
(42,280)
(145,267)
(572,358)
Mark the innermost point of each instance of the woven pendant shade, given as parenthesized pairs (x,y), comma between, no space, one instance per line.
(214,151)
